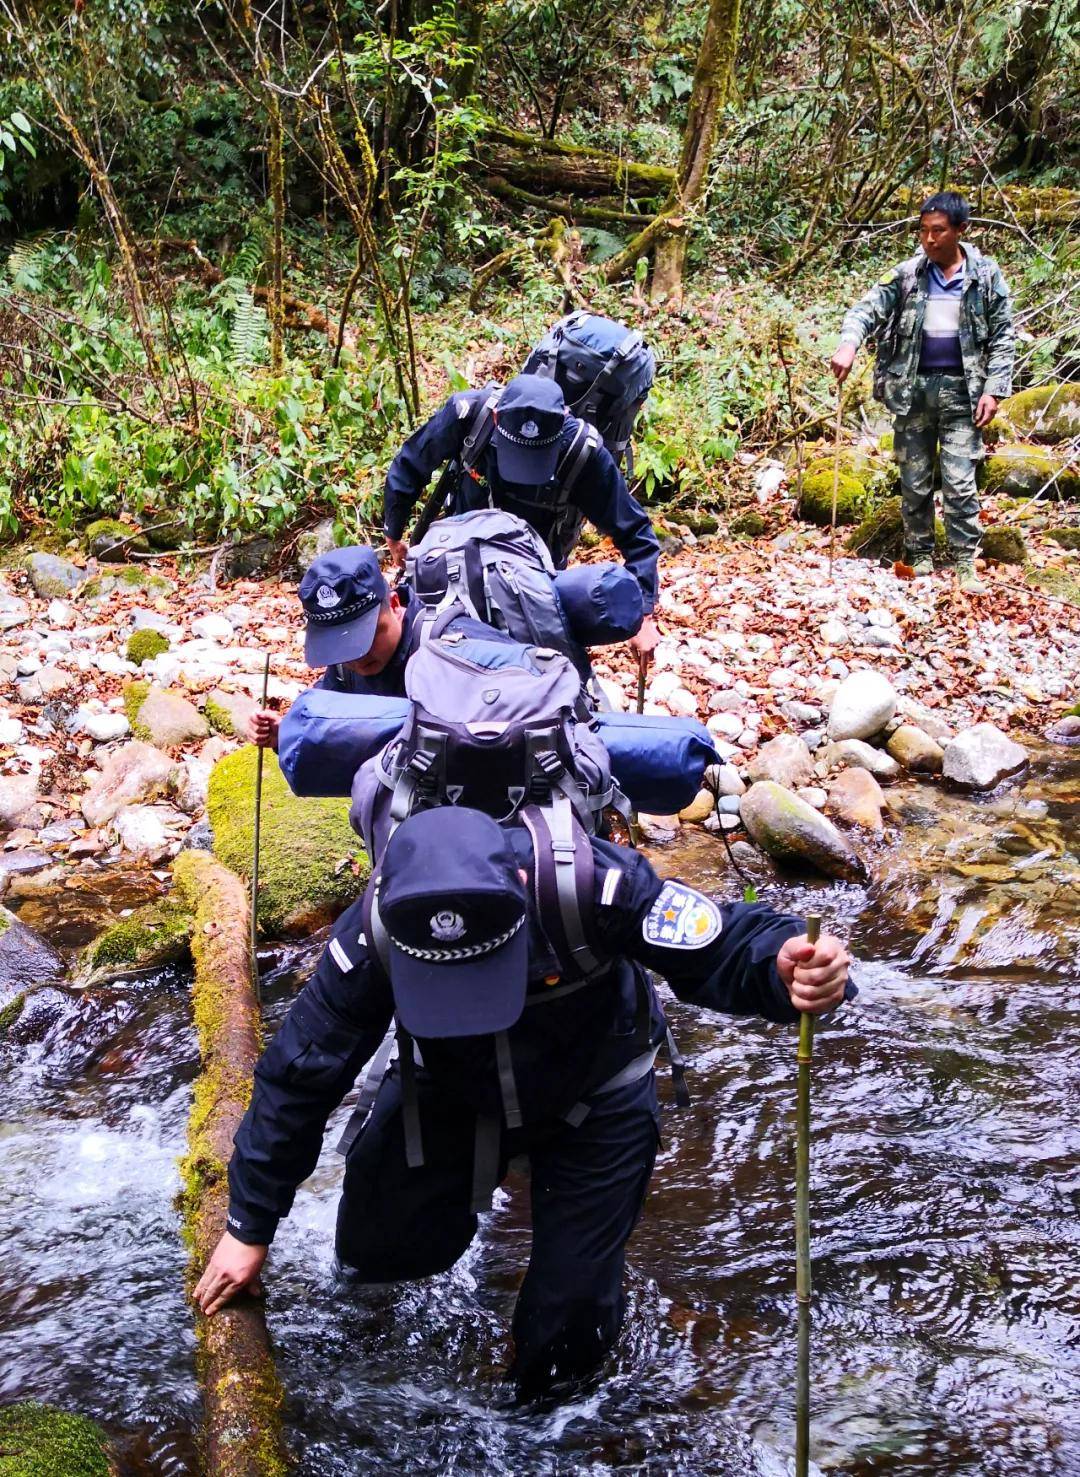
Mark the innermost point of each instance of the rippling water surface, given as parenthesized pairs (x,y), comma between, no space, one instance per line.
(943,1211)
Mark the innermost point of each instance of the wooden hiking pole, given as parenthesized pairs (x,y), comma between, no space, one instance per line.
(255,848)
(802,1226)
(835,475)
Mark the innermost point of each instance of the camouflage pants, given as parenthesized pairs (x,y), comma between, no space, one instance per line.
(939,421)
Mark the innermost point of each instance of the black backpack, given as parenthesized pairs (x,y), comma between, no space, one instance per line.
(605,371)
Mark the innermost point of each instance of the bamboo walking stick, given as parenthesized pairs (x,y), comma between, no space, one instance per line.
(255,849)
(835,475)
(802,1227)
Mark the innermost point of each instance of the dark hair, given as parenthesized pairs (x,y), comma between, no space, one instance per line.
(948,202)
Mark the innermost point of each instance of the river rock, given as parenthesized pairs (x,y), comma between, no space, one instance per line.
(211,628)
(854,754)
(915,750)
(103,728)
(724,779)
(702,806)
(855,797)
(169,719)
(861,706)
(926,719)
(727,725)
(13,611)
(130,775)
(12,730)
(794,833)
(1065,730)
(980,757)
(660,830)
(52,577)
(785,760)
(813,795)
(313,542)
(19,801)
(26,960)
(229,712)
(141,831)
(45,684)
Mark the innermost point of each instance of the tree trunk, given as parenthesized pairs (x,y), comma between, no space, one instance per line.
(241,1391)
(712,88)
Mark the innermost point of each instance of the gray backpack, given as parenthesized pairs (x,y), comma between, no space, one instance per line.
(494,725)
(494,567)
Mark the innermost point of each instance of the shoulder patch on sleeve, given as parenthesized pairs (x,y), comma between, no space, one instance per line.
(681,918)
(889,277)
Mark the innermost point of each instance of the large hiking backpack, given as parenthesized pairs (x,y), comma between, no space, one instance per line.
(496,568)
(491,725)
(605,371)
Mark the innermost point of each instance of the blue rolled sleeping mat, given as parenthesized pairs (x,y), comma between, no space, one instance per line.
(602,603)
(658,762)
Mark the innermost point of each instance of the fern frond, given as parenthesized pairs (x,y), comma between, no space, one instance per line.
(247,335)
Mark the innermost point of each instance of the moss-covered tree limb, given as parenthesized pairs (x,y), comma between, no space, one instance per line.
(242,1393)
(541,164)
(572,210)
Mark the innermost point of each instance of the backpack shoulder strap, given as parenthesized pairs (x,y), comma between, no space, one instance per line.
(587,440)
(563,859)
(478,432)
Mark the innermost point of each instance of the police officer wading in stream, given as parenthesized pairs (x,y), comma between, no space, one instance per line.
(527,1025)
(945,348)
(538,462)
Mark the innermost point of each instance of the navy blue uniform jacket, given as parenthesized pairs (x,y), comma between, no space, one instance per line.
(561,1050)
(601,492)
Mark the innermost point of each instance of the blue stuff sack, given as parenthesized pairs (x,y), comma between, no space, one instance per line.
(602,603)
(657,762)
(326,736)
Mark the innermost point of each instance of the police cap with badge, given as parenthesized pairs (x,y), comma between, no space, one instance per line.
(530,418)
(454,910)
(342,593)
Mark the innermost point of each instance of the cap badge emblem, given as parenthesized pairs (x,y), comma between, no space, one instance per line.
(447,926)
(327,597)
(530,429)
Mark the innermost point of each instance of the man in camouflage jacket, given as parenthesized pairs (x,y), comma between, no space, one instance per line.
(942,322)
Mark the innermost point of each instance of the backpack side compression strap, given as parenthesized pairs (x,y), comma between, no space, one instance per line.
(563,876)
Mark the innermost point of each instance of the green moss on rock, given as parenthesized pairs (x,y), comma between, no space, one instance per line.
(1068,538)
(149,938)
(887,441)
(749,524)
(306,876)
(41,1441)
(144,645)
(1055,582)
(881,534)
(1023,471)
(1004,545)
(134,695)
(816,493)
(103,535)
(1049,414)
(126,578)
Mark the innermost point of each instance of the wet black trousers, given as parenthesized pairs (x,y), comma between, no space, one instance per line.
(588,1186)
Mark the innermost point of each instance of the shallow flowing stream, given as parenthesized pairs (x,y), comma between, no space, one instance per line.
(943,1209)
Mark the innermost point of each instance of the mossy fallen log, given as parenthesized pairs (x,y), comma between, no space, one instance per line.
(1024,205)
(311,865)
(42,1441)
(546,165)
(242,1393)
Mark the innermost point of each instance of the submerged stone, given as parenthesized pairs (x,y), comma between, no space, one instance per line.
(26,960)
(795,834)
